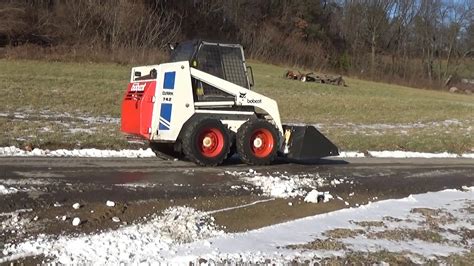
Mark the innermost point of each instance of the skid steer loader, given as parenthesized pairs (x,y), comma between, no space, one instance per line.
(201,105)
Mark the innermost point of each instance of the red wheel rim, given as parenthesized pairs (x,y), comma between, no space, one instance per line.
(210,142)
(262,142)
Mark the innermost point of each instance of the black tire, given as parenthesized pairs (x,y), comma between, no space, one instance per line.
(233,148)
(165,151)
(194,135)
(245,142)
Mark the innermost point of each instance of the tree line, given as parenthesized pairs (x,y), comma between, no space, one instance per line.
(416,42)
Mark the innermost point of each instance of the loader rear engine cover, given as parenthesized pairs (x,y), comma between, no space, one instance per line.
(202,105)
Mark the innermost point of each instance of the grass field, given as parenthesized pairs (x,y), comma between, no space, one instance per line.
(54,104)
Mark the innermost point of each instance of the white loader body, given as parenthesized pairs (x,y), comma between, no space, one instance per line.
(174,104)
(203,106)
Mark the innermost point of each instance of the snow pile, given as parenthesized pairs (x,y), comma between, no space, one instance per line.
(127,245)
(14,151)
(315,196)
(466,188)
(14,221)
(280,185)
(7,190)
(402,154)
(184,225)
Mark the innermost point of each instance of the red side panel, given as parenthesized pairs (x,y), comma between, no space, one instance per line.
(137,108)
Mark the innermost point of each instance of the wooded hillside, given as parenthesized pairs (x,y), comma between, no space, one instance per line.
(411,42)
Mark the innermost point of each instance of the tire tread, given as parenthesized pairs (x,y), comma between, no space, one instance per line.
(241,142)
(188,139)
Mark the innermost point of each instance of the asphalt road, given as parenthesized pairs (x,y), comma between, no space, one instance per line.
(141,187)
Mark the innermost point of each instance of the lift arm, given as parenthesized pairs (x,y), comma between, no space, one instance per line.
(243,96)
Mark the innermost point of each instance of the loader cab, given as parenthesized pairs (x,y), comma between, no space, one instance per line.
(226,61)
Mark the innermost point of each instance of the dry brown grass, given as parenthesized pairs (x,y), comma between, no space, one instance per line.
(343,233)
(407,234)
(435,217)
(326,244)
(370,258)
(369,224)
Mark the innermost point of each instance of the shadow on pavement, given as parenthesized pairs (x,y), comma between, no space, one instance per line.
(316,161)
(235,160)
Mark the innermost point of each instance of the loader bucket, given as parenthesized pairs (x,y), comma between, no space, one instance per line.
(307,143)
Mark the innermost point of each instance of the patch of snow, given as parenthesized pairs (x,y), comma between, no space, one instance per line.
(133,244)
(410,154)
(94,153)
(397,128)
(76,205)
(99,119)
(55,116)
(115,219)
(7,190)
(110,203)
(132,186)
(25,182)
(281,185)
(402,154)
(351,154)
(450,122)
(15,212)
(339,181)
(82,130)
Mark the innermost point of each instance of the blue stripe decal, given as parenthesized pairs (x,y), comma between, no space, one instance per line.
(166,123)
(163,127)
(169,80)
(165,114)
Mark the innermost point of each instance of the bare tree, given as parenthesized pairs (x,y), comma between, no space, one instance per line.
(367,22)
(459,19)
